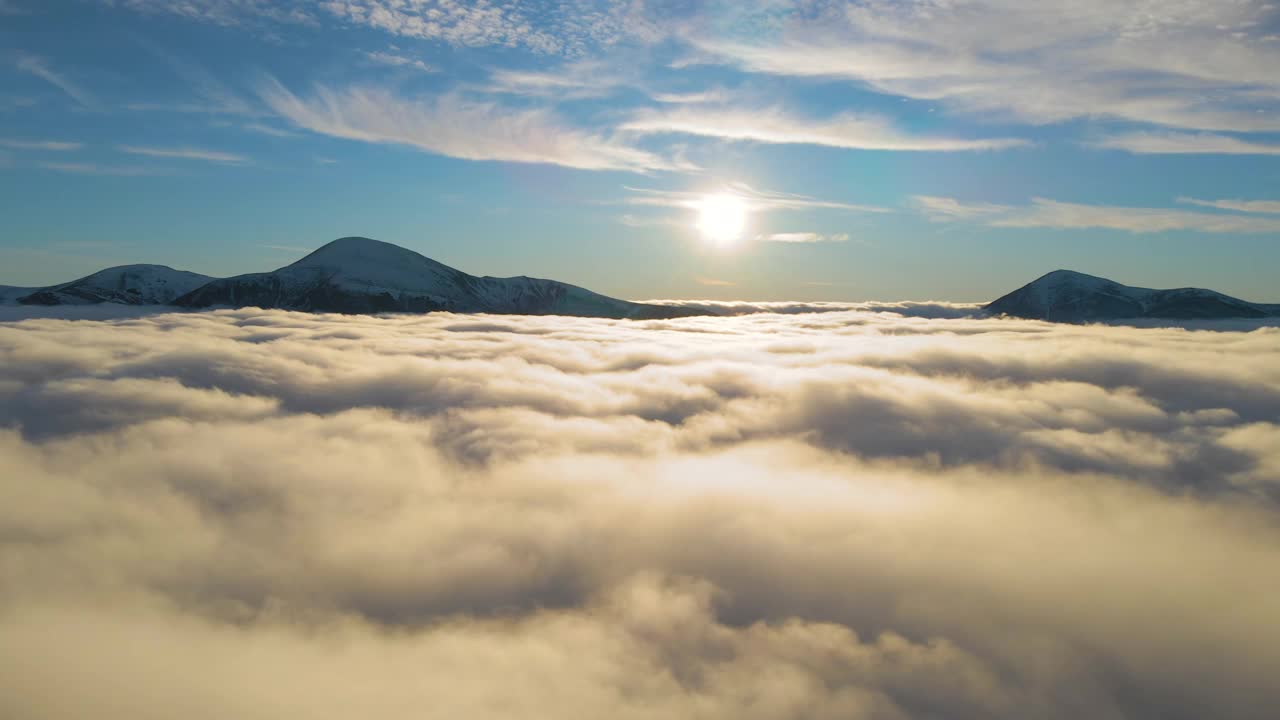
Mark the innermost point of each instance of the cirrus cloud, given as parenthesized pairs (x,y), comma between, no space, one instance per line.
(1174,143)
(1046,213)
(451,126)
(771,125)
(1197,65)
(804,237)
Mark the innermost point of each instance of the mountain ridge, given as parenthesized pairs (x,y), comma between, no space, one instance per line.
(138,284)
(361,275)
(1071,296)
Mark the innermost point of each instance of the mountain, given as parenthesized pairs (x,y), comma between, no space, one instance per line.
(1067,296)
(126,285)
(10,294)
(359,275)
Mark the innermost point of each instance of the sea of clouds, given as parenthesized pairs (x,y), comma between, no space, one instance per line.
(880,512)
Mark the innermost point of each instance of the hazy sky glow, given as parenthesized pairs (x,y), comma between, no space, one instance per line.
(842,515)
(933,150)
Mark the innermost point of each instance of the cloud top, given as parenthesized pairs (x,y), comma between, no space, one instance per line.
(852,513)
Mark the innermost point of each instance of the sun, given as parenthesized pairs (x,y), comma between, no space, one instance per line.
(722,218)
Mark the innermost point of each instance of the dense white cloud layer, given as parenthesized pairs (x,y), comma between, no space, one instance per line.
(852,513)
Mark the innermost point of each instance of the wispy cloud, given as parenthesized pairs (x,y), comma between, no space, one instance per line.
(392,59)
(462,24)
(756,200)
(50,145)
(587,79)
(1053,214)
(228,13)
(1175,143)
(944,208)
(264,129)
(186,153)
(96,169)
(568,29)
(688,98)
(804,237)
(452,126)
(1246,206)
(212,95)
(38,67)
(1046,213)
(572,81)
(772,125)
(1199,65)
(552,28)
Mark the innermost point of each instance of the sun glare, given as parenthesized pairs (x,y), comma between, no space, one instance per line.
(722,218)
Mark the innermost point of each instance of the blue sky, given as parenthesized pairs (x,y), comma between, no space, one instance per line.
(884,150)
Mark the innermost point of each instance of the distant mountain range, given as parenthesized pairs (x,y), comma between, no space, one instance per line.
(359,275)
(349,275)
(1067,296)
(124,285)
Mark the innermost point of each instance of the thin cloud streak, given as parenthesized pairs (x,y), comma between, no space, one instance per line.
(97,169)
(263,129)
(804,237)
(1270,207)
(397,60)
(38,67)
(451,126)
(212,156)
(573,81)
(1053,214)
(1046,213)
(756,200)
(1171,143)
(945,209)
(771,125)
(50,145)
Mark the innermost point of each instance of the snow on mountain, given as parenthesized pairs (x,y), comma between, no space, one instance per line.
(126,285)
(358,275)
(1067,296)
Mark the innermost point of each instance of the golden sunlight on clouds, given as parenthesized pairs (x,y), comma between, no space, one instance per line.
(879,512)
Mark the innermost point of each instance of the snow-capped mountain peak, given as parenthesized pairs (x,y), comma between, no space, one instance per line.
(358,262)
(124,284)
(351,253)
(356,274)
(1069,296)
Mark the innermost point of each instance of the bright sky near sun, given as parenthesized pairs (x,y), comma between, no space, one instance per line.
(756,150)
